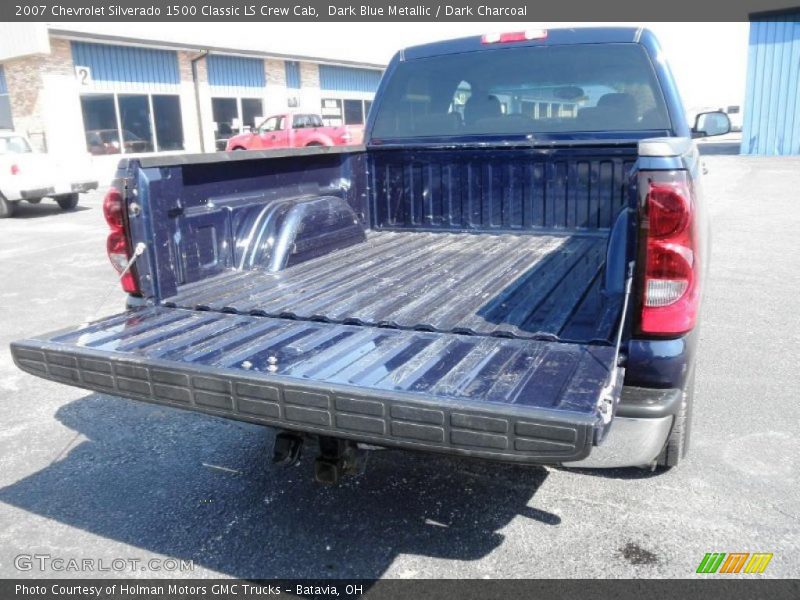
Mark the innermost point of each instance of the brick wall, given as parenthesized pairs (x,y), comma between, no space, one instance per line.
(310,95)
(309,75)
(185,66)
(59,61)
(189,116)
(275,71)
(24,80)
(26,85)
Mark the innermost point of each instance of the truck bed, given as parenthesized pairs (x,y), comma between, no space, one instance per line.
(509,285)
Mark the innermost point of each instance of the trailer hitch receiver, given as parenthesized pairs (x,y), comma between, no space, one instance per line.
(336,459)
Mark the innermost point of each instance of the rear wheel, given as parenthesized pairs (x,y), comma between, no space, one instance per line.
(238,148)
(310,144)
(34,200)
(67,201)
(6,208)
(678,442)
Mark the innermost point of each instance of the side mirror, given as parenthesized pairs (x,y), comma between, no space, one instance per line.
(707,124)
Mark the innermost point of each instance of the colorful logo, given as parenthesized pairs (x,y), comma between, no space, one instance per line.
(734,562)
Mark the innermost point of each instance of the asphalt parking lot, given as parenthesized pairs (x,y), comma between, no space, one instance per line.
(84,475)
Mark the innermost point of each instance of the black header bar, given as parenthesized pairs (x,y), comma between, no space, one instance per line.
(735,588)
(375,10)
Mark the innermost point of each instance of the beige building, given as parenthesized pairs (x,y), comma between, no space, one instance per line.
(85,96)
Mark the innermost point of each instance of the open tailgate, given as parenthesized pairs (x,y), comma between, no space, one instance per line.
(508,399)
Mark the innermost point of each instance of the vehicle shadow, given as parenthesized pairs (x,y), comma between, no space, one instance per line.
(620,473)
(45,208)
(195,487)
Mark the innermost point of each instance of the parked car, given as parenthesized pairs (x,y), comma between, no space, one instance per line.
(295,130)
(106,141)
(511,267)
(31,176)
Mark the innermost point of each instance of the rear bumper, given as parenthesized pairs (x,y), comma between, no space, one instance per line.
(639,431)
(70,188)
(84,186)
(36,193)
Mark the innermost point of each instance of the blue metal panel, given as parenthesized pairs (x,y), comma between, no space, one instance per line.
(127,64)
(348,79)
(236,71)
(772,104)
(293,79)
(3,84)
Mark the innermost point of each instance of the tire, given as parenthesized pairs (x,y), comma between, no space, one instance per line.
(67,201)
(678,441)
(238,148)
(312,144)
(34,200)
(6,208)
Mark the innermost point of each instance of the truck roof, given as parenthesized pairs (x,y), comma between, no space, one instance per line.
(577,35)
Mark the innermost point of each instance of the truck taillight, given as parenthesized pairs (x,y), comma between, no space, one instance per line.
(112,208)
(671,284)
(117,245)
(15,170)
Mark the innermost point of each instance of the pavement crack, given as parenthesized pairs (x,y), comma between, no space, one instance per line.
(66,448)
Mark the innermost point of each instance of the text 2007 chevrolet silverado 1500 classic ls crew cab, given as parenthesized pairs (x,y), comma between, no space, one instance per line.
(510,268)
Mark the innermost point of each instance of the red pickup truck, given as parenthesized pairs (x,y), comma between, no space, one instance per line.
(296,130)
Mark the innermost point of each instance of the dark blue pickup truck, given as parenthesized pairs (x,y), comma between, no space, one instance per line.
(509,268)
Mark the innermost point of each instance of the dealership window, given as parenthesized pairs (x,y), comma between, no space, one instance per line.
(134,117)
(5,103)
(235,115)
(252,109)
(5,112)
(225,115)
(131,123)
(353,112)
(344,111)
(332,112)
(167,117)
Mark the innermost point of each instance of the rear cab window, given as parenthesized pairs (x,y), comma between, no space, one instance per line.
(524,91)
(14,144)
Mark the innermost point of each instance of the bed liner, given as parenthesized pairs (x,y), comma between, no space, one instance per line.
(532,286)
